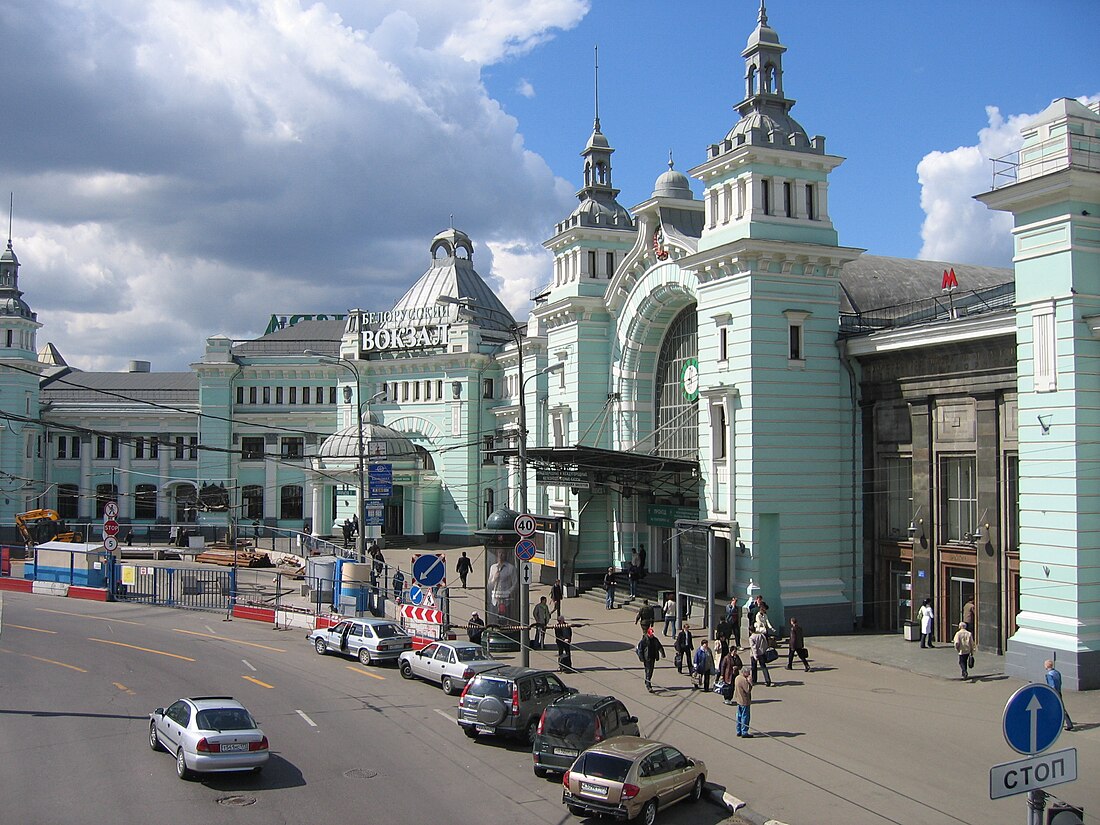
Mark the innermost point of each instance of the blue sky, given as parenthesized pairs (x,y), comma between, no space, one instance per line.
(186,168)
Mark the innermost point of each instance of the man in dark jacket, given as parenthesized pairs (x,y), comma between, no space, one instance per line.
(651,651)
(797,645)
(645,615)
(475,628)
(609,587)
(563,635)
(684,645)
(463,568)
(555,598)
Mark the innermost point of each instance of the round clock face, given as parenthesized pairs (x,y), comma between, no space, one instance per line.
(689,378)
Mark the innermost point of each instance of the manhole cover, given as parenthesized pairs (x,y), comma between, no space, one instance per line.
(237,800)
(360,773)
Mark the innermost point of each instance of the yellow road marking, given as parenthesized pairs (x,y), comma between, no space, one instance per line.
(258,682)
(35,629)
(144,649)
(227,639)
(366,672)
(123,688)
(86,616)
(47,661)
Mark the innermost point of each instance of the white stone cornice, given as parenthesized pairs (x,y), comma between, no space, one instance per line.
(993,325)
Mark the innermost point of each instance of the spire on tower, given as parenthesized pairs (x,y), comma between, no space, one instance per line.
(596,123)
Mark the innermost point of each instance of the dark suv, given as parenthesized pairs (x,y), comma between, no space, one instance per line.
(508,701)
(575,723)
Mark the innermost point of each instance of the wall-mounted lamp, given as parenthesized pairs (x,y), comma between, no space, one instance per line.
(916,525)
(1044,422)
(982,532)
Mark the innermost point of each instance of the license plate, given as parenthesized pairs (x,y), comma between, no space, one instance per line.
(484,729)
(233,747)
(595,790)
(564,752)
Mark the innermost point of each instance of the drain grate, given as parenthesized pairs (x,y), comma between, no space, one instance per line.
(237,800)
(361,773)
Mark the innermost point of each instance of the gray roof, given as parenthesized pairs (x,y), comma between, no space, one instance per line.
(182,387)
(344,444)
(319,336)
(874,282)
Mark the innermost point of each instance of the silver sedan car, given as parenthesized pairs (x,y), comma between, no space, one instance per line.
(371,640)
(209,734)
(450,664)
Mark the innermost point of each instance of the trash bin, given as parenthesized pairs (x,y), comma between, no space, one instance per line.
(911,631)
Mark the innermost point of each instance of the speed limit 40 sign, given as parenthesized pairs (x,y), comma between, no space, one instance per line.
(525,525)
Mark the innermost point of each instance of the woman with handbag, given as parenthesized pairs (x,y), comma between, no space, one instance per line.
(728,669)
(797,645)
(758,647)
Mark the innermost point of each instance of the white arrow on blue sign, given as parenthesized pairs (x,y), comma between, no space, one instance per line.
(429,569)
(416,595)
(1033,719)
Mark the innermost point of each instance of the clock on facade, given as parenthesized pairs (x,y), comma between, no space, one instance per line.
(689,380)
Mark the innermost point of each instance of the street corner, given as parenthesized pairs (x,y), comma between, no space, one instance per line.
(718,795)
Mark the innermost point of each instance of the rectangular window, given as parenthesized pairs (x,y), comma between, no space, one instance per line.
(154,447)
(293,395)
(487,445)
(293,447)
(897,479)
(958,498)
(252,501)
(723,343)
(416,390)
(290,502)
(101,447)
(68,495)
(139,447)
(427,390)
(62,446)
(1044,348)
(267,395)
(610,265)
(179,448)
(278,395)
(559,431)
(145,502)
(1012,502)
(487,388)
(439,390)
(240,395)
(193,448)
(252,448)
(252,395)
(591,263)
(788,200)
(319,395)
(719,430)
(305,395)
(795,337)
(810,207)
(765,196)
(332,395)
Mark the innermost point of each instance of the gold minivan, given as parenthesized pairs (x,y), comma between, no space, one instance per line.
(629,777)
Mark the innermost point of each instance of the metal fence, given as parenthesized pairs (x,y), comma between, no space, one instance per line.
(190,588)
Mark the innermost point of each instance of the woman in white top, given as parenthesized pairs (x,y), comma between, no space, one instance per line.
(926,617)
(670,615)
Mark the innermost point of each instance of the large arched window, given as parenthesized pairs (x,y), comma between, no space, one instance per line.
(290,502)
(676,410)
(252,497)
(103,494)
(68,496)
(145,501)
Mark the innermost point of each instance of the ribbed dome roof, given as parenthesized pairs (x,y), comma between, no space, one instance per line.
(672,184)
(771,121)
(601,212)
(14,306)
(345,443)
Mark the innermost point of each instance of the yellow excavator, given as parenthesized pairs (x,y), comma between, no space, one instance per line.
(38,526)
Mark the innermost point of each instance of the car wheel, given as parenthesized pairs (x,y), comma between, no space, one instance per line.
(531,731)
(540,772)
(181,766)
(448,686)
(154,741)
(649,813)
(364,656)
(470,732)
(697,789)
(406,669)
(321,646)
(256,771)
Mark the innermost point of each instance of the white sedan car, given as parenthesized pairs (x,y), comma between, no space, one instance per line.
(451,664)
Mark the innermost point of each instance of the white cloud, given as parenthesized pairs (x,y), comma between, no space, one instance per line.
(956,227)
(207,162)
(525,88)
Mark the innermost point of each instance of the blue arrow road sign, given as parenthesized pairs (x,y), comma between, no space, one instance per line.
(416,595)
(429,569)
(525,549)
(1033,719)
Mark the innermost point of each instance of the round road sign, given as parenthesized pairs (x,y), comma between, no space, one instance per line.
(110,544)
(110,509)
(429,569)
(525,549)
(416,595)
(1033,719)
(110,527)
(525,525)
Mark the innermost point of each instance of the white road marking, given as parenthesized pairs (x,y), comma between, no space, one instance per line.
(248,664)
(309,721)
(445,715)
(208,627)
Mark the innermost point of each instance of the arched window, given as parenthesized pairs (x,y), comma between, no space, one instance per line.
(103,494)
(290,502)
(145,501)
(675,410)
(68,496)
(186,496)
(252,501)
(769,78)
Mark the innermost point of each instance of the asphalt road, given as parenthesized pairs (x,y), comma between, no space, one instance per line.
(349,743)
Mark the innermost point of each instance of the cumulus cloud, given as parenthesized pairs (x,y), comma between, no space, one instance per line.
(956,227)
(525,88)
(183,168)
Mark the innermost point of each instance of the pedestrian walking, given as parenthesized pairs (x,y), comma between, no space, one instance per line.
(754,607)
(642,561)
(964,646)
(645,615)
(797,645)
(345,528)
(926,617)
(729,667)
(609,587)
(742,695)
(703,665)
(650,650)
(130,538)
(669,610)
(764,624)
(555,598)
(475,628)
(563,635)
(733,619)
(969,614)
(1054,680)
(542,621)
(398,585)
(354,525)
(463,567)
(721,640)
(683,646)
(758,648)
(632,575)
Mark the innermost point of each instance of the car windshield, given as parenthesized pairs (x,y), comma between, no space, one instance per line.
(471,654)
(492,687)
(569,723)
(604,766)
(387,631)
(224,719)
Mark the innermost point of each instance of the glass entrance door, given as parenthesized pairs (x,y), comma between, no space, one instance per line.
(960,590)
(901,595)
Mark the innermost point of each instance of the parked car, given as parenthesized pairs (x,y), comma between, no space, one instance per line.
(630,777)
(574,723)
(449,664)
(209,734)
(508,701)
(371,640)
